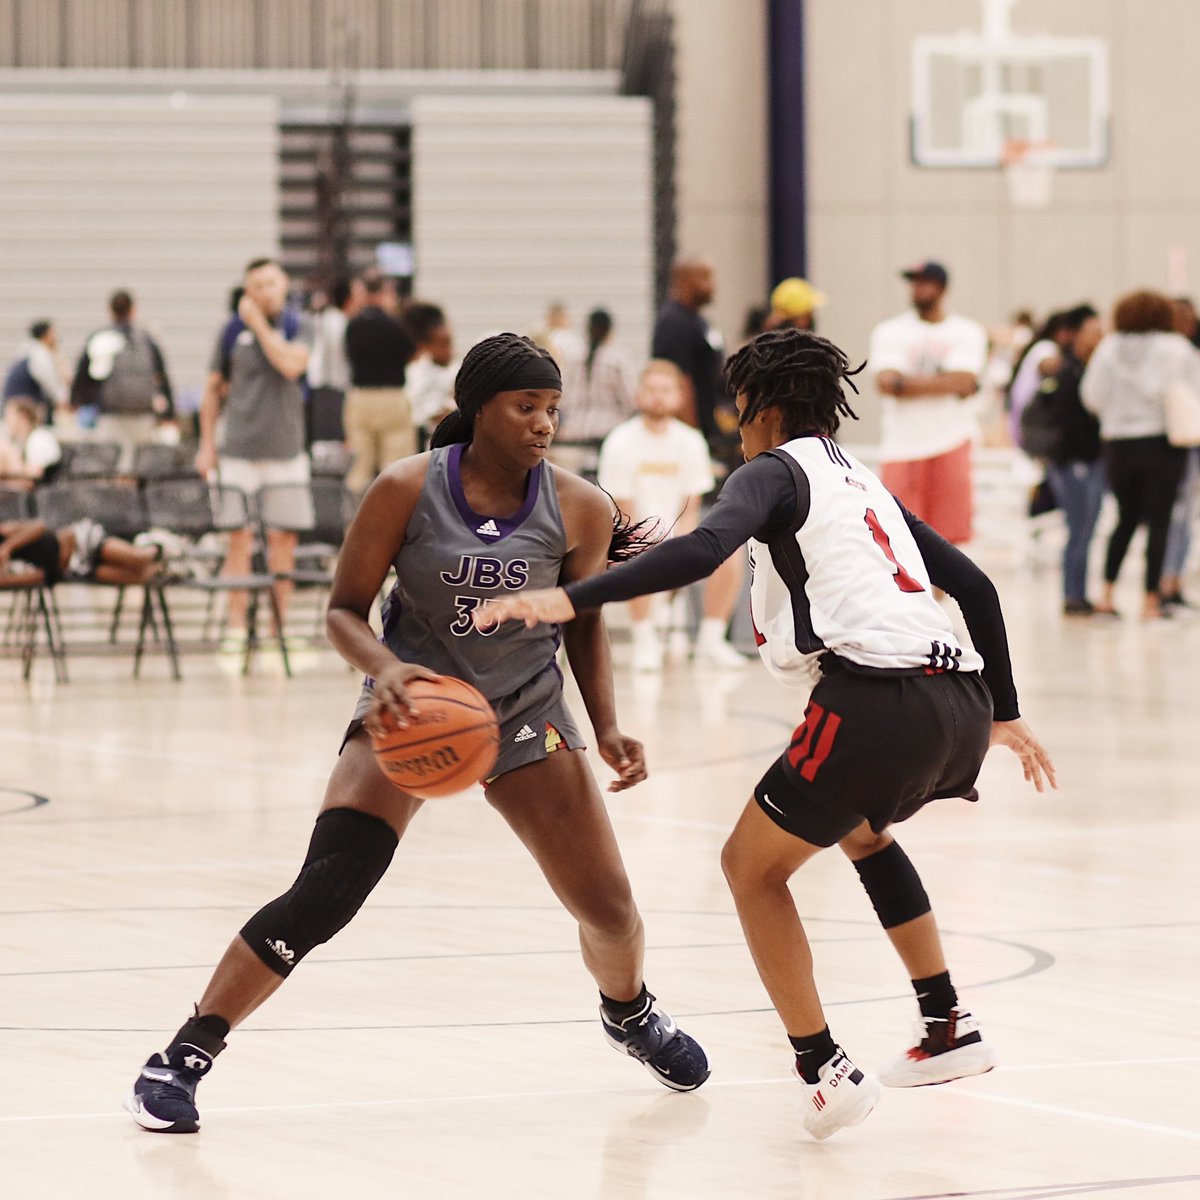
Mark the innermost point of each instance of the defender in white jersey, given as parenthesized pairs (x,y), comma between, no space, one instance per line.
(901,713)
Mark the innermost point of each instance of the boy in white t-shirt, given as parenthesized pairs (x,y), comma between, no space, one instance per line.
(656,467)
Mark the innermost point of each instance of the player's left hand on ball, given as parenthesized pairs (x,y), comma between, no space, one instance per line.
(1018,737)
(539,606)
(626,756)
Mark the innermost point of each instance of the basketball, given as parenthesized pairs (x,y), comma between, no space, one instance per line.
(449,744)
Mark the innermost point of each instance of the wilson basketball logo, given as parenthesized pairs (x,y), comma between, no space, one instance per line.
(426,764)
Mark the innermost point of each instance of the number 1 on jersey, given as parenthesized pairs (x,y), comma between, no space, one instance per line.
(903,580)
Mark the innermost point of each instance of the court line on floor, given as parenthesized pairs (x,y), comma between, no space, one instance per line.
(558,1093)
(1063,1111)
(1047,1191)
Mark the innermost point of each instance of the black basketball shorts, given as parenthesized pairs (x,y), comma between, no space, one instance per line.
(877,748)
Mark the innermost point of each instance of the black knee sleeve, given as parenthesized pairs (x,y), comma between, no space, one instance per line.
(347,857)
(892,883)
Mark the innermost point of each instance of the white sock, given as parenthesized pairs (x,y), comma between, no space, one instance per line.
(712,631)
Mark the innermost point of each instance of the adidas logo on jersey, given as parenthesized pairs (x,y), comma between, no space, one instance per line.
(488,529)
(525,735)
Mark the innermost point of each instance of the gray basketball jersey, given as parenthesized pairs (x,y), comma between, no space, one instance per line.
(453,559)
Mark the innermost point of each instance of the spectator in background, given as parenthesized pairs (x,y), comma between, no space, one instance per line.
(1183,515)
(377,415)
(1074,468)
(123,376)
(29,449)
(682,336)
(1186,320)
(82,550)
(1039,359)
(794,304)
(1124,385)
(257,369)
(755,321)
(36,373)
(432,370)
(657,468)
(556,334)
(598,386)
(328,368)
(927,365)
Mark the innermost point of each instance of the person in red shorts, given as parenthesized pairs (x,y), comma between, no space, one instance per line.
(927,363)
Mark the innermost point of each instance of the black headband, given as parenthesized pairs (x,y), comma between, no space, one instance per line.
(529,374)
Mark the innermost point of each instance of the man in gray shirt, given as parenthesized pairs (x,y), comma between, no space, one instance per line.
(256,372)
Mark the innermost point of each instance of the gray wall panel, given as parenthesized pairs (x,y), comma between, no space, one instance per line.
(100,192)
(519,202)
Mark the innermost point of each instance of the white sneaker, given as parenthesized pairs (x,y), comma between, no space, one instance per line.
(844,1095)
(948,1048)
(647,649)
(719,654)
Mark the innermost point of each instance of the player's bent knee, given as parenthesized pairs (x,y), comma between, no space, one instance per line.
(347,856)
(893,886)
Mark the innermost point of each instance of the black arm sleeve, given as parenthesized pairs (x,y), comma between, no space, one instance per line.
(757,500)
(951,570)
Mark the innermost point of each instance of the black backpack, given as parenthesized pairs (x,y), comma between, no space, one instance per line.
(1041,430)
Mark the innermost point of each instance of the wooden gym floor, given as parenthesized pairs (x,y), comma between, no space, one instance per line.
(446,1046)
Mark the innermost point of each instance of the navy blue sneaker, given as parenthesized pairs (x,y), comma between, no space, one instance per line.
(653,1038)
(164,1094)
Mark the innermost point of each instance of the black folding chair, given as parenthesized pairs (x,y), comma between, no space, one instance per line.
(118,509)
(193,509)
(89,460)
(32,599)
(330,458)
(155,461)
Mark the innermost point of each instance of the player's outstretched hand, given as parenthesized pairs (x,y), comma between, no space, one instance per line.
(391,697)
(544,605)
(626,756)
(1018,737)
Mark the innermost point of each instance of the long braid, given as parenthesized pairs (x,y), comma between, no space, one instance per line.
(483,368)
(797,372)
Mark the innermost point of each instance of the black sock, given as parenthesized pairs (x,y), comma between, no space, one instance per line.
(935,995)
(620,1009)
(812,1053)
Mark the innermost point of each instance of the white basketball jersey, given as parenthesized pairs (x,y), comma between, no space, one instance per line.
(850,580)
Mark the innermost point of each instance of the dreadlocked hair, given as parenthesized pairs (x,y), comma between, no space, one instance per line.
(630,537)
(797,372)
(484,366)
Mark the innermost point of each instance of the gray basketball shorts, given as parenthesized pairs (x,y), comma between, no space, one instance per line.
(534,722)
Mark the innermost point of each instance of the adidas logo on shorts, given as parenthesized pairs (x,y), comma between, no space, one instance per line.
(488,529)
(525,735)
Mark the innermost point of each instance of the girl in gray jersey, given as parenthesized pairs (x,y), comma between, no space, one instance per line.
(482,514)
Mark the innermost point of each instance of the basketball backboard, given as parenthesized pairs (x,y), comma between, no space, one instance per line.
(977,92)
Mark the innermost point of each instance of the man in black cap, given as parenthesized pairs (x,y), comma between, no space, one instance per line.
(927,365)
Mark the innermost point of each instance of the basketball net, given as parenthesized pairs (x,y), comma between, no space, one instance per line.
(1029,172)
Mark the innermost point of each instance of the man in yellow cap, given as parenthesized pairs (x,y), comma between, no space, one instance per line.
(794,303)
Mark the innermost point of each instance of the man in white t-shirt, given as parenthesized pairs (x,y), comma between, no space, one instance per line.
(927,364)
(657,467)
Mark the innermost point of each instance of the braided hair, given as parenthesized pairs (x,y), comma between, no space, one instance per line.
(485,370)
(508,361)
(798,373)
